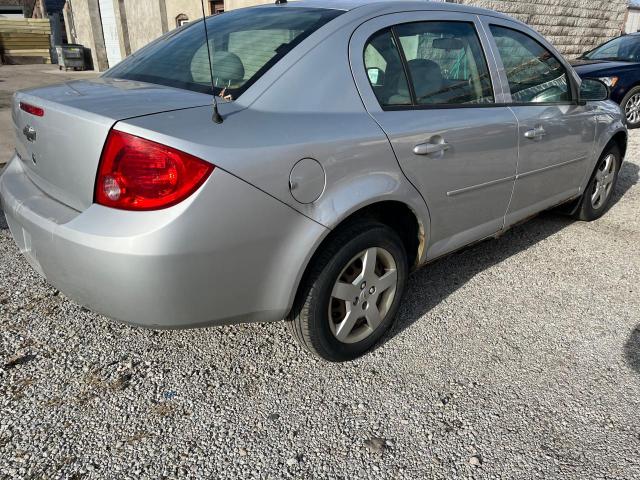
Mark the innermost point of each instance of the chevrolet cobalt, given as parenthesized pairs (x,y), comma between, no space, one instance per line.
(296,161)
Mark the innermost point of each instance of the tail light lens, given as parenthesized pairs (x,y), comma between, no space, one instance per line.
(138,174)
(32,109)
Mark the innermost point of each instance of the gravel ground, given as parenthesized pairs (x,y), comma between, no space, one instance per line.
(518,358)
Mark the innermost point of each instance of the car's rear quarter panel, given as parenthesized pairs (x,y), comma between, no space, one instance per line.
(229,253)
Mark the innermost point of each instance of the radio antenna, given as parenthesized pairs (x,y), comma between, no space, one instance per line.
(217,118)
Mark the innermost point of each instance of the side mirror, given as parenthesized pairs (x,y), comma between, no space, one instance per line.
(592,90)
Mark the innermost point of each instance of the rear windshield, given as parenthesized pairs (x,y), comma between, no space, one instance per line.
(244,45)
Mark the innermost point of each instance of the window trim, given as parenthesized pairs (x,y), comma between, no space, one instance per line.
(389,29)
(450,106)
(573,89)
(405,67)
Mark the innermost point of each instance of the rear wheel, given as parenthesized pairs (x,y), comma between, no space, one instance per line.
(597,196)
(631,107)
(351,293)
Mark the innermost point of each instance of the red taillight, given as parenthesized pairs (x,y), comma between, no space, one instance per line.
(32,109)
(138,174)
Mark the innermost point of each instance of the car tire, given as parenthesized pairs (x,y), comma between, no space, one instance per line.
(632,100)
(352,261)
(599,191)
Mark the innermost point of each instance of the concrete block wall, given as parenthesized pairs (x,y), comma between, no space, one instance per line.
(82,20)
(573,26)
(145,21)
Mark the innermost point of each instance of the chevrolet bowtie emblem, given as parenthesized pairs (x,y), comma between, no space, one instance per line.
(30,133)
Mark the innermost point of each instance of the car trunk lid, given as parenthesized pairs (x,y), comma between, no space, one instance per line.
(61,149)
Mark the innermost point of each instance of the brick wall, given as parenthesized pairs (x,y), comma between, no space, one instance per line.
(573,26)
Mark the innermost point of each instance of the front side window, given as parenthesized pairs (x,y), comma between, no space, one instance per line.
(533,73)
(244,45)
(446,63)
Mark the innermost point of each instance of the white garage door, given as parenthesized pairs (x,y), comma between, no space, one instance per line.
(110,32)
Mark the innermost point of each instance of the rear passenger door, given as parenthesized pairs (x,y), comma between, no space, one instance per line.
(556,133)
(425,78)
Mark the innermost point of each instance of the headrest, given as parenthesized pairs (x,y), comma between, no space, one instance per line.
(227,67)
(421,66)
(427,77)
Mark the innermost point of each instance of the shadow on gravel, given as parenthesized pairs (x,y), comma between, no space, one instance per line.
(628,177)
(435,282)
(3,221)
(632,350)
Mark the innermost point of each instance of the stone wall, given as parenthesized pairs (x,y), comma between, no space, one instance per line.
(145,21)
(573,26)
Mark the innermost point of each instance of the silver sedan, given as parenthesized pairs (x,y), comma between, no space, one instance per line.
(298,160)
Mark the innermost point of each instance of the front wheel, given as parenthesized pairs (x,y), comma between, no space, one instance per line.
(631,106)
(597,196)
(351,294)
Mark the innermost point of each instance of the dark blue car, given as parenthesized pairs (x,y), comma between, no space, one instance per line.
(617,63)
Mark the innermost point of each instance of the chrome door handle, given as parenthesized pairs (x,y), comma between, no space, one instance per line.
(535,133)
(430,148)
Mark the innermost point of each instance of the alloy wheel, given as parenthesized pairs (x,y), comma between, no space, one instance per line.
(605,175)
(362,295)
(632,109)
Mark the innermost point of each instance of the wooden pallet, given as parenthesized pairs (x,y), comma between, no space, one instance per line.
(37,41)
(17,27)
(25,38)
(28,52)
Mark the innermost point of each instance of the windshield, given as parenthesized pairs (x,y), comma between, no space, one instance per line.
(624,49)
(244,45)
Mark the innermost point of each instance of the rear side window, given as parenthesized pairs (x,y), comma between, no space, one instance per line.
(533,73)
(385,70)
(444,62)
(244,45)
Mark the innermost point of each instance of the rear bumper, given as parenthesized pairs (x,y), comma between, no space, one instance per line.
(228,254)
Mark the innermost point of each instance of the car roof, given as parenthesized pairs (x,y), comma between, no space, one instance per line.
(388,6)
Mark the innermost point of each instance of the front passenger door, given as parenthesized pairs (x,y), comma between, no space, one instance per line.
(556,134)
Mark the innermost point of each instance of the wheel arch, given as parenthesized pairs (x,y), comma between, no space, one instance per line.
(635,84)
(398,215)
(621,139)
(609,133)
(618,137)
